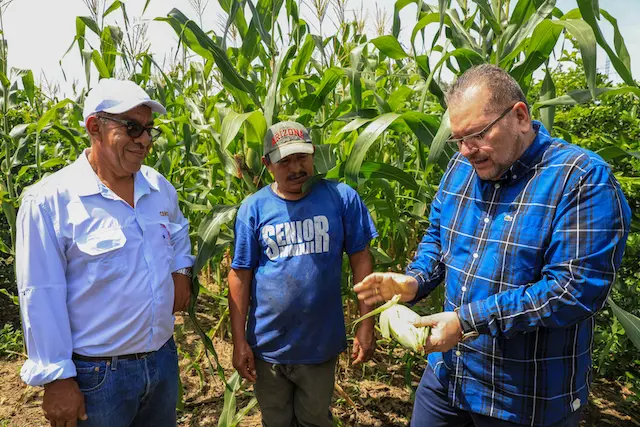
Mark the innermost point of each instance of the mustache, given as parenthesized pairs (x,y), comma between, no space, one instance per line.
(293,177)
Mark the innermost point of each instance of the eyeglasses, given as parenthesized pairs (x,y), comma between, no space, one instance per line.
(477,137)
(134,130)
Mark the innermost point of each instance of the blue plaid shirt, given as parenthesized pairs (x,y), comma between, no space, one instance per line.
(528,259)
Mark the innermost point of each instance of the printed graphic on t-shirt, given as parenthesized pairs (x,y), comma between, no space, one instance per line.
(296,238)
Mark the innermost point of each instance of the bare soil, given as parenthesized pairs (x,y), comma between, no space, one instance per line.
(373,395)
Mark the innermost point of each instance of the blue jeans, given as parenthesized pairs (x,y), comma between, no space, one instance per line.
(129,392)
(431,409)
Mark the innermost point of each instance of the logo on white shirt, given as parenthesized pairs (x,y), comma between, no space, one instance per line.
(296,238)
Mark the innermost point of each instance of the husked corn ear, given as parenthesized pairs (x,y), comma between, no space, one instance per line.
(397,322)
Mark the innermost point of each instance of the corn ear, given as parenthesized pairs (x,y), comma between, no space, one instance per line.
(396,323)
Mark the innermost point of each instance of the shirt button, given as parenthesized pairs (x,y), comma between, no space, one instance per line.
(486,220)
(497,185)
(458,353)
(514,176)
(475,255)
(464,289)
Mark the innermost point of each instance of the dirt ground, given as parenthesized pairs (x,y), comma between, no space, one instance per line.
(373,395)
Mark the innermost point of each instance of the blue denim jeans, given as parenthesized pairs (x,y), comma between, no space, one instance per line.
(431,409)
(131,393)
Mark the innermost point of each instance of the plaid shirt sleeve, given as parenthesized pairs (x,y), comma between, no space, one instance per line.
(427,266)
(580,264)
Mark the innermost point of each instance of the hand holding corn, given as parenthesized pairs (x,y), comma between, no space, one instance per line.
(446,331)
(380,287)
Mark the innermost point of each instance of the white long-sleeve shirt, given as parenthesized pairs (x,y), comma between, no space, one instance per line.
(94,274)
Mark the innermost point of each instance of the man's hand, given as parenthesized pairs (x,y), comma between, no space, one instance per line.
(363,343)
(63,403)
(379,287)
(446,331)
(182,296)
(243,360)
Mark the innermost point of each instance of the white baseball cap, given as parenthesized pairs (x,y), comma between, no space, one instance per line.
(117,96)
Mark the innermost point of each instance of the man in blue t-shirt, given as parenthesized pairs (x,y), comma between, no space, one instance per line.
(286,275)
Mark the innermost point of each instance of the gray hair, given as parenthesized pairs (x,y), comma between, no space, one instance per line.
(504,89)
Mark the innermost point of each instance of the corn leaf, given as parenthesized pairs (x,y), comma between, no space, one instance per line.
(581,96)
(365,141)
(114,6)
(51,114)
(397,7)
(587,43)
(102,67)
(382,170)
(229,408)
(146,5)
(630,323)
(393,301)
(329,81)
(209,231)
(440,140)
(303,57)
(244,411)
(257,23)
(199,42)
(488,14)
(429,18)
(232,123)
(586,9)
(543,41)
(614,152)
(88,22)
(547,92)
(618,41)
(324,158)
(270,103)
(523,31)
(390,46)
(29,85)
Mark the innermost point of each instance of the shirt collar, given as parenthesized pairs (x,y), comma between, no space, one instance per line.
(85,186)
(86,181)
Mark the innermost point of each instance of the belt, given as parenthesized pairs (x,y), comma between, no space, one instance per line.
(134,356)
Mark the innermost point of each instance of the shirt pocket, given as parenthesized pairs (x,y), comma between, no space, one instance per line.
(157,237)
(105,254)
(528,239)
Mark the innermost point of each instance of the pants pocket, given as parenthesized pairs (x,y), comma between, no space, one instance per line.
(91,376)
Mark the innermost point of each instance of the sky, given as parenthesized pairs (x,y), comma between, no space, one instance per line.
(39,32)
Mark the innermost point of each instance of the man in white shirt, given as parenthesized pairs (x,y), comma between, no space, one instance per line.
(103,261)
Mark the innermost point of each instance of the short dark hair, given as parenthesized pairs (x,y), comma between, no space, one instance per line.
(504,89)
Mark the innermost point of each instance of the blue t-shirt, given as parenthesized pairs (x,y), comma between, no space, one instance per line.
(295,249)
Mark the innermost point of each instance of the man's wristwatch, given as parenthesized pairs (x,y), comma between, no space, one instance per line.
(468,333)
(186,271)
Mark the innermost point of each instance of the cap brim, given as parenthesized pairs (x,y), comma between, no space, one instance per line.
(155,106)
(288,149)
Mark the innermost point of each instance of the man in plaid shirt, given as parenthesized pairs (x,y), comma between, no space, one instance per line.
(527,231)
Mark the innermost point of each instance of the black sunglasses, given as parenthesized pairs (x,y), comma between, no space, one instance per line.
(134,130)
